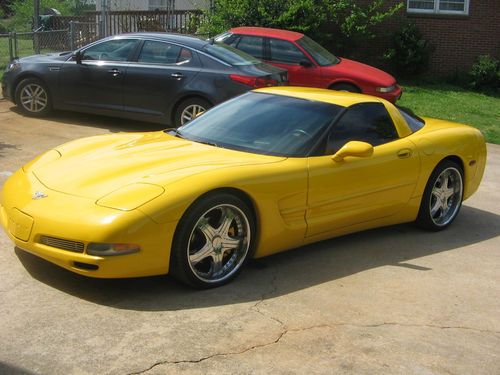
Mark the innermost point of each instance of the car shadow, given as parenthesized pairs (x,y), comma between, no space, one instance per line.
(280,274)
(113,124)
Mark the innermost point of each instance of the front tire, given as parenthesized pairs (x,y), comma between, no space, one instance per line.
(346,87)
(189,109)
(32,97)
(213,241)
(442,197)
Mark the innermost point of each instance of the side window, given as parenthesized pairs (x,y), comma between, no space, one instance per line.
(285,52)
(111,50)
(253,45)
(164,53)
(367,122)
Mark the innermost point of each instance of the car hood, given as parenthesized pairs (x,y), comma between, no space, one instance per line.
(360,71)
(47,57)
(93,167)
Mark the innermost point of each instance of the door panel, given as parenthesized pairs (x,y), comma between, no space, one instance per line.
(162,72)
(357,190)
(97,81)
(287,55)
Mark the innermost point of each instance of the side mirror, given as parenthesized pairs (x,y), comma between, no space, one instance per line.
(78,57)
(305,64)
(354,148)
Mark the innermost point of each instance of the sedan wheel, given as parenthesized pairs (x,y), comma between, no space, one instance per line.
(213,241)
(32,97)
(190,109)
(442,197)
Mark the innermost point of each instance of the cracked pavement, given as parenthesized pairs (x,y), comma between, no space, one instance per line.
(394,300)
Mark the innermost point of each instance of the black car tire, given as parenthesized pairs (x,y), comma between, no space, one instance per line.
(33,98)
(442,197)
(345,87)
(213,241)
(189,109)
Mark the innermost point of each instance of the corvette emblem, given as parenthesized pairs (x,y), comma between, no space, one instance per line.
(38,195)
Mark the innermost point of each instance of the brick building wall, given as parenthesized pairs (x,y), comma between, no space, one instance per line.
(458,39)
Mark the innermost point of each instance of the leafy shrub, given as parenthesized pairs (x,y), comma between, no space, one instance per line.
(485,73)
(340,24)
(410,53)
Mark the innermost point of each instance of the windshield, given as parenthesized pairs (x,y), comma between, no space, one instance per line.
(263,123)
(320,54)
(230,55)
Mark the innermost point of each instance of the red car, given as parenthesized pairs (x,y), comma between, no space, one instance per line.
(309,64)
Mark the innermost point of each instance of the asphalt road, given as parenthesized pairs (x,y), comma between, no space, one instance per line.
(396,300)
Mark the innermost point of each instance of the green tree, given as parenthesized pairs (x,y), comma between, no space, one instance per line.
(340,25)
(22,11)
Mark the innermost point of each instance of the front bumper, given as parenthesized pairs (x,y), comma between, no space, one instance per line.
(70,219)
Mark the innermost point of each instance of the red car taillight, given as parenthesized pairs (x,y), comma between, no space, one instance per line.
(254,82)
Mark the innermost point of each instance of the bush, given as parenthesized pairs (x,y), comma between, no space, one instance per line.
(485,73)
(340,24)
(410,53)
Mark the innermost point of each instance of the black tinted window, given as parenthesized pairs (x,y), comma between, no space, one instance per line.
(159,53)
(251,45)
(263,124)
(367,122)
(229,54)
(111,50)
(285,52)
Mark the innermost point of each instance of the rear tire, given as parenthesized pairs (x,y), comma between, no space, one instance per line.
(442,197)
(32,97)
(189,109)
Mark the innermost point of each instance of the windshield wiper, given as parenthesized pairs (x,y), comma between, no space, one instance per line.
(176,132)
(210,143)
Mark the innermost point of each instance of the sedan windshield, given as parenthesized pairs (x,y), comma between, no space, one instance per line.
(230,55)
(264,124)
(320,54)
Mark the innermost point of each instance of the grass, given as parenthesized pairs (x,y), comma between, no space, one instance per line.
(454,103)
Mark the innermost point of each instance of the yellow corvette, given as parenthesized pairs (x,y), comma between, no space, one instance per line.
(273,169)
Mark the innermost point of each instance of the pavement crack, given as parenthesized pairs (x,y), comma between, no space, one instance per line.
(274,289)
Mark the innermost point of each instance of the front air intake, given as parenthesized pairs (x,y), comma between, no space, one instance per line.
(59,243)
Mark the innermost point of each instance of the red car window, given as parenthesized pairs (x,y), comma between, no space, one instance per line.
(285,52)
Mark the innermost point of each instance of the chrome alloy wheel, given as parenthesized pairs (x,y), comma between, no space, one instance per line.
(34,98)
(446,196)
(219,243)
(191,112)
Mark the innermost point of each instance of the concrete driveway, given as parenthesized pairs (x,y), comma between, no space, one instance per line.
(396,300)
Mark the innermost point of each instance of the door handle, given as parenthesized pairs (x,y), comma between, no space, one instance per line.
(114,72)
(404,153)
(177,76)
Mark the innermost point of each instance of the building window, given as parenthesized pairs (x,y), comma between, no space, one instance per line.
(439,6)
(159,4)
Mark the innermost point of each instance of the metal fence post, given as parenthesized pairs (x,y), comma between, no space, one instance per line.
(11,47)
(36,42)
(16,56)
(72,35)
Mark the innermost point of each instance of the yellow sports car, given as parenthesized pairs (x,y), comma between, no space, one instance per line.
(273,169)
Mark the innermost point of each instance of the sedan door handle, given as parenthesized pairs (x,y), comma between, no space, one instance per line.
(114,72)
(177,76)
(404,153)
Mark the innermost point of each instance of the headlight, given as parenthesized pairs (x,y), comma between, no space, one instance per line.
(13,66)
(386,89)
(110,249)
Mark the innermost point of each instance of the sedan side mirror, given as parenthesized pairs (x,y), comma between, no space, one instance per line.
(305,64)
(78,57)
(354,148)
